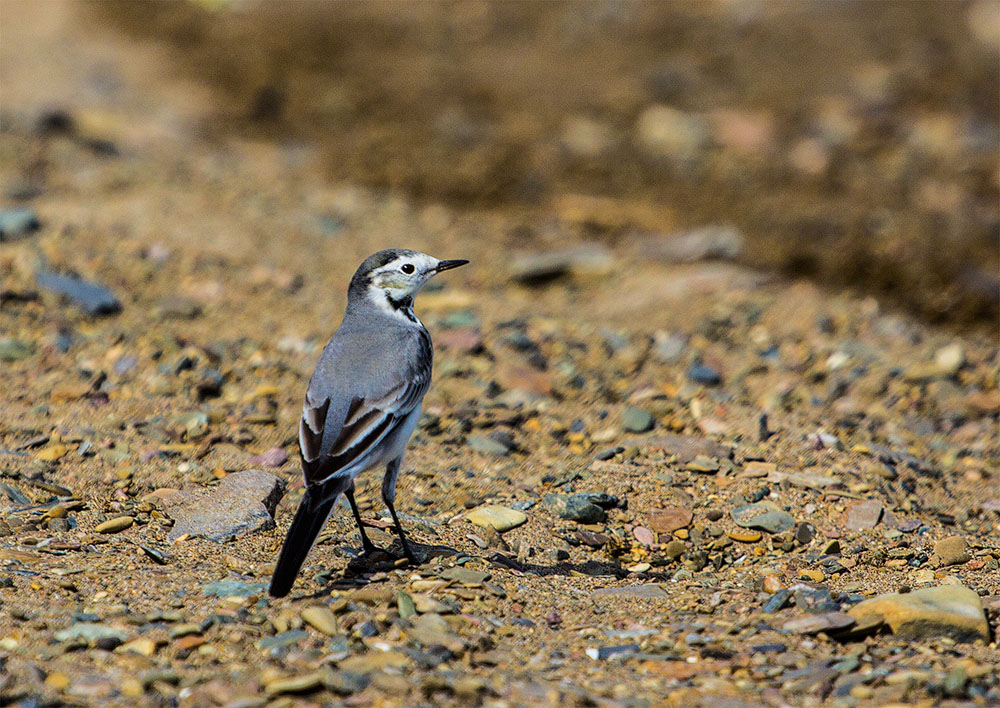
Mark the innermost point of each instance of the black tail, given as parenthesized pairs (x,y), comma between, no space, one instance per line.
(308,522)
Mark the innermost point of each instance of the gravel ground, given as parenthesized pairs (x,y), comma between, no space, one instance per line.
(645,474)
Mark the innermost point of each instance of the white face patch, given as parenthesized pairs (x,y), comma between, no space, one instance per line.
(393,286)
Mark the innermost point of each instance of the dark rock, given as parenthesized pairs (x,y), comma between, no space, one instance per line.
(705,375)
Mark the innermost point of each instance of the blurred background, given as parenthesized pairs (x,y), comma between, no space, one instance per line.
(854,143)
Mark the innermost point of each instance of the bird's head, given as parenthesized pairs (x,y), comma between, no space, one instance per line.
(392,278)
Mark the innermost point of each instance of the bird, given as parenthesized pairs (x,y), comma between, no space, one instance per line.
(363,400)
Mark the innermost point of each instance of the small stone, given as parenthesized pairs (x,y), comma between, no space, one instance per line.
(669,519)
(17,223)
(574,507)
(702,464)
(715,242)
(685,447)
(90,632)
(765,516)
(637,420)
(57,681)
(232,588)
(242,503)
(829,622)
(92,298)
(953,550)
(804,533)
(176,307)
(15,349)
(499,518)
(705,375)
(373,661)
(119,523)
(644,536)
(184,629)
(143,646)
(952,611)
(744,536)
(651,591)
(580,261)
(281,640)
(605,653)
(639,568)
(815,576)
(405,605)
(675,549)
(664,132)
(487,446)
(777,601)
(864,515)
(320,618)
(772,584)
(950,358)
(275,457)
(465,576)
(305,683)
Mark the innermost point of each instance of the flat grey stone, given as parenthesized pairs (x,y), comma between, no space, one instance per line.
(242,503)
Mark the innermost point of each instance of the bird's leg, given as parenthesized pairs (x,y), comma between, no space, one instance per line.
(366,544)
(389,497)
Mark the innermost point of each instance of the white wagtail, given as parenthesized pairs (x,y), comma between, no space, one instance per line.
(363,400)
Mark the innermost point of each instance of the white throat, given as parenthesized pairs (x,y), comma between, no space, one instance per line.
(402,310)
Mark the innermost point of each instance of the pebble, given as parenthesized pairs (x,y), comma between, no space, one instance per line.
(668,133)
(765,516)
(669,518)
(91,633)
(953,550)
(829,622)
(17,223)
(705,375)
(574,507)
(465,576)
(651,591)
(864,515)
(93,298)
(713,242)
(232,588)
(950,358)
(405,605)
(15,349)
(637,420)
(499,518)
(685,447)
(952,611)
(615,652)
(644,536)
(321,618)
(744,536)
(581,261)
(119,523)
(487,446)
(306,683)
(275,457)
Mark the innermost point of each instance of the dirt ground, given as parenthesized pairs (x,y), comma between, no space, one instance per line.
(655,319)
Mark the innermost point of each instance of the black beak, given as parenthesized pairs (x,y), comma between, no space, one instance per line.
(448,265)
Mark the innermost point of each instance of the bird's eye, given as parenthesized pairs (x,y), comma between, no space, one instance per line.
(407,268)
